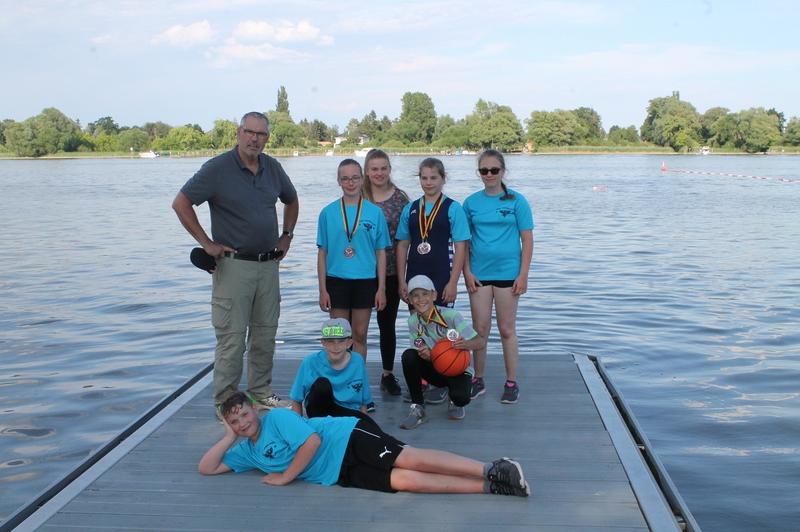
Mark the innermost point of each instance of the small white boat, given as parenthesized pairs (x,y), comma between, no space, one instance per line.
(148,154)
(295,153)
(361,153)
(705,150)
(329,153)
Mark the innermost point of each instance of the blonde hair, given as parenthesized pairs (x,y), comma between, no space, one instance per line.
(366,186)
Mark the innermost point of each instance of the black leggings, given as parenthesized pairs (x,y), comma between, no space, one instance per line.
(320,403)
(387,320)
(415,368)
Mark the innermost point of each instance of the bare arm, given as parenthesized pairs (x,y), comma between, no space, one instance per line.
(322,272)
(211,462)
(297,408)
(290,212)
(472,344)
(183,207)
(380,295)
(472,283)
(451,288)
(520,285)
(305,453)
(402,257)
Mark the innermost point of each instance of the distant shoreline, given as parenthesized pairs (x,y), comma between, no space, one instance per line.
(351,153)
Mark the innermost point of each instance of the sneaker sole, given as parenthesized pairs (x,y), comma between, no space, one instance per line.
(523,484)
(415,426)
(483,391)
(509,402)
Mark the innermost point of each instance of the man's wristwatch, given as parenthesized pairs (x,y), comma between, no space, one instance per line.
(290,234)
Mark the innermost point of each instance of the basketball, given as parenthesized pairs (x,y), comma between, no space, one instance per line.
(448,360)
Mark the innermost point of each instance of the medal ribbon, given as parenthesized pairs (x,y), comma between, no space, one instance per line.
(436,317)
(426,222)
(347,231)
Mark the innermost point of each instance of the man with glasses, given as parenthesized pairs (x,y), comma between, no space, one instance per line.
(242,187)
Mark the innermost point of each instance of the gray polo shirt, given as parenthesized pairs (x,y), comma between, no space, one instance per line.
(242,205)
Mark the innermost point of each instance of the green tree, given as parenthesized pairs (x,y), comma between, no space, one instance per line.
(156,130)
(286,135)
(106,142)
(282,105)
(619,136)
(722,132)
(591,131)
(501,130)
(183,138)
(223,134)
(556,128)
(791,134)
(3,125)
(671,122)
(455,136)
(21,139)
(134,139)
(417,119)
(105,124)
(757,131)
(780,116)
(707,122)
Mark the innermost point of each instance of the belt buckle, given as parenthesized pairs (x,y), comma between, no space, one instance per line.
(263,256)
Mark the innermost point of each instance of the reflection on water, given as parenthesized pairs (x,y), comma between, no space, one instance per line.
(685,284)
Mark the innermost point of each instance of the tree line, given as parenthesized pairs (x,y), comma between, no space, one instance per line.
(670,121)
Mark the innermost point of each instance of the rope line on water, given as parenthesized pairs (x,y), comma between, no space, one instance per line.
(664,169)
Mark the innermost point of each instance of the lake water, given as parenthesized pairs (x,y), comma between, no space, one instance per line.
(686,285)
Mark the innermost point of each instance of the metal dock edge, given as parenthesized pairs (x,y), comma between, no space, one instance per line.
(661,504)
(52,499)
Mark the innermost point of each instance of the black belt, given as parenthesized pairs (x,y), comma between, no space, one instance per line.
(257,257)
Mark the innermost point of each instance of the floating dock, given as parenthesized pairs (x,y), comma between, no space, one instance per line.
(589,465)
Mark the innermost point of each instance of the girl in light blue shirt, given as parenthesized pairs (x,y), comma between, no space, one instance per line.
(496,269)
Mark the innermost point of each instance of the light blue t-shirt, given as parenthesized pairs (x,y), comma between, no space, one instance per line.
(372,234)
(459,229)
(495,224)
(350,384)
(282,433)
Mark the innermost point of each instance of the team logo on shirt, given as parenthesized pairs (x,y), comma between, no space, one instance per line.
(505,212)
(270,452)
(356,386)
(367,225)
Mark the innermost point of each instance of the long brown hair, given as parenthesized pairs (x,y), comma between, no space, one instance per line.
(366,185)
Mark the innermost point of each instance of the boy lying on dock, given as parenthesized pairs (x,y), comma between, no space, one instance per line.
(347,451)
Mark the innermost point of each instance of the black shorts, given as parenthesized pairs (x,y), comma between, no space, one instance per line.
(351,293)
(369,458)
(498,284)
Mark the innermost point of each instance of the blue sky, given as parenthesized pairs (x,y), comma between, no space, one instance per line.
(198,60)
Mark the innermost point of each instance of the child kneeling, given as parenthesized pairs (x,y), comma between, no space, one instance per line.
(332,381)
(347,451)
(427,325)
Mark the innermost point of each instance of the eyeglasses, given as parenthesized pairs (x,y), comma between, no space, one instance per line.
(260,134)
(486,171)
(344,179)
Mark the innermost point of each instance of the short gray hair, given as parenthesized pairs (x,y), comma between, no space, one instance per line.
(254,114)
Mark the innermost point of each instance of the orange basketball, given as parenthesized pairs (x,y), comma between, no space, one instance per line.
(448,360)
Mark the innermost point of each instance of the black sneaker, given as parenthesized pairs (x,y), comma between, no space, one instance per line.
(478,387)
(390,385)
(510,394)
(507,471)
(498,488)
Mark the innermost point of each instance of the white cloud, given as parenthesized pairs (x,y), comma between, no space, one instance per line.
(186,36)
(283,31)
(233,52)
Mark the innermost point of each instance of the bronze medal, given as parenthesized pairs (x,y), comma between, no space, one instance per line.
(419,342)
(349,251)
